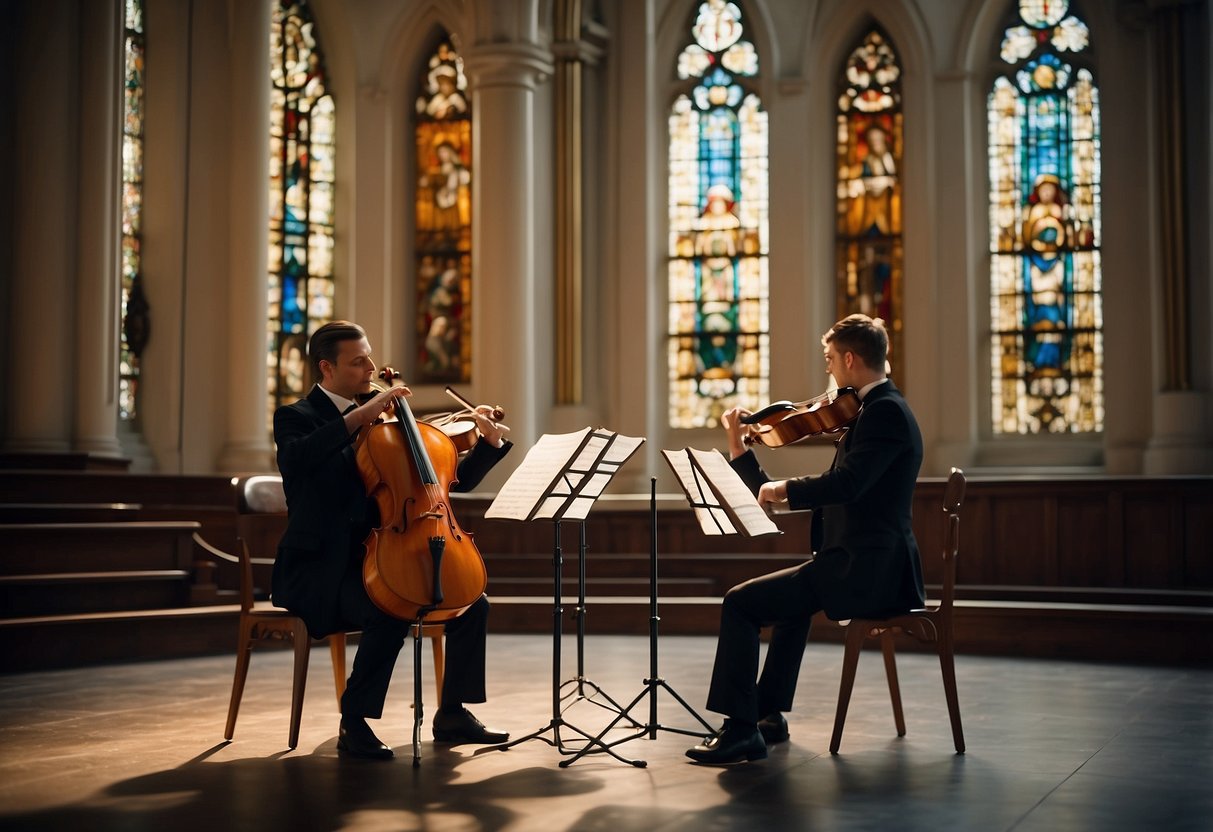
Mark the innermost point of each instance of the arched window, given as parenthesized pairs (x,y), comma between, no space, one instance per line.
(133,337)
(302,126)
(443,220)
(1046,320)
(719,341)
(868,247)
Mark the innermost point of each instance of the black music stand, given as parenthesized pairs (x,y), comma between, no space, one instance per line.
(579,683)
(560,478)
(723,505)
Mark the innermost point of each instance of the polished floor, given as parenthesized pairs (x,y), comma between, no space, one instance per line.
(1051,745)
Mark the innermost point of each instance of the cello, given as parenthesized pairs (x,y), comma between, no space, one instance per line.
(419,563)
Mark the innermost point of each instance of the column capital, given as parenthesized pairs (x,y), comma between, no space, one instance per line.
(508,65)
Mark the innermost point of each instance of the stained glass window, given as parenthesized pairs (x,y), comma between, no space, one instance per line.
(719,342)
(868,247)
(443,220)
(302,126)
(1046,317)
(133,337)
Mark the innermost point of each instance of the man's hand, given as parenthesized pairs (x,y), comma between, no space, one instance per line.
(366,414)
(773,492)
(731,420)
(492,432)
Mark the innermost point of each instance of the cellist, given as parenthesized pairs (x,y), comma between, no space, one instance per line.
(318,571)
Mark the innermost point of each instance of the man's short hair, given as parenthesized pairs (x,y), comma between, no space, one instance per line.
(325,343)
(864,336)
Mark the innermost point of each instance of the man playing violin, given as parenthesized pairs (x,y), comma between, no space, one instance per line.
(318,571)
(866,561)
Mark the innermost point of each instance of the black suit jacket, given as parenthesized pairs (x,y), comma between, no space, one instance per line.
(867,562)
(329,514)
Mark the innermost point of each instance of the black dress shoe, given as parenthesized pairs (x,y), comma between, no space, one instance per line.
(733,743)
(464,727)
(356,739)
(773,727)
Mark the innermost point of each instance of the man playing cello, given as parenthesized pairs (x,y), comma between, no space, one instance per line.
(318,571)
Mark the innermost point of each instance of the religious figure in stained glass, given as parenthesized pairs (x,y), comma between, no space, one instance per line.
(718,320)
(443,220)
(134,306)
(868,247)
(302,175)
(1046,315)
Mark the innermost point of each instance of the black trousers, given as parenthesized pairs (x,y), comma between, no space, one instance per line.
(785,599)
(380,643)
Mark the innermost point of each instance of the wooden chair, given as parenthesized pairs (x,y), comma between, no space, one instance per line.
(260,518)
(932,625)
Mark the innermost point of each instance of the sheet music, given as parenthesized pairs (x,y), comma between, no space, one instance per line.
(562,475)
(734,494)
(711,470)
(712,517)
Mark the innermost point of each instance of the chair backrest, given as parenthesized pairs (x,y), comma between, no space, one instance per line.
(260,519)
(953,498)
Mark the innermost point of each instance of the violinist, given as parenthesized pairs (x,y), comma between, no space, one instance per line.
(318,571)
(866,561)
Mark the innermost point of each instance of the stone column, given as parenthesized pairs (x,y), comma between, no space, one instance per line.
(99,230)
(40,331)
(507,337)
(1180,443)
(247,446)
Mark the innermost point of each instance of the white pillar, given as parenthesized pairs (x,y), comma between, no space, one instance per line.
(97,268)
(247,446)
(506,336)
(40,333)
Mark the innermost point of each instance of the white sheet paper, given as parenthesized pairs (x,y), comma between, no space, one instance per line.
(562,475)
(706,477)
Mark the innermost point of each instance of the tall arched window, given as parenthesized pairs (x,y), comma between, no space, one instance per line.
(719,341)
(868,246)
(302,126)
(443,221)
(133,337)
(1046,320)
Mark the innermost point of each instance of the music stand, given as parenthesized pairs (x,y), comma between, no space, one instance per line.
(723,505)
(560,478)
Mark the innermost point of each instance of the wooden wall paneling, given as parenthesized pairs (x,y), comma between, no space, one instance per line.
(1153,541)
(1084,558)
(1024,545)
(1198,542)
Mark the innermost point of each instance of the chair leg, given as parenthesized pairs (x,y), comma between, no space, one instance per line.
(948,666)
(244,651)
(303,644)
(439,664)
(890,669)
(337,650)
(850,659)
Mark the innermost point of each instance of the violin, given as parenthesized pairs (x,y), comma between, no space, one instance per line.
(459,425)
(785,423)
(419,563)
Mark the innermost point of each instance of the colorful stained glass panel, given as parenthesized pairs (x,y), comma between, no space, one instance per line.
(302,177)
(868,242)
(719,312)
(134,311)
(1045,231)
(442,146)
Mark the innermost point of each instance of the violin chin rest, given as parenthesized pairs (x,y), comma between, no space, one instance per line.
(768,411)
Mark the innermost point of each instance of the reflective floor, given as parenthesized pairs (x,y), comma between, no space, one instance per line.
(1051,745)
